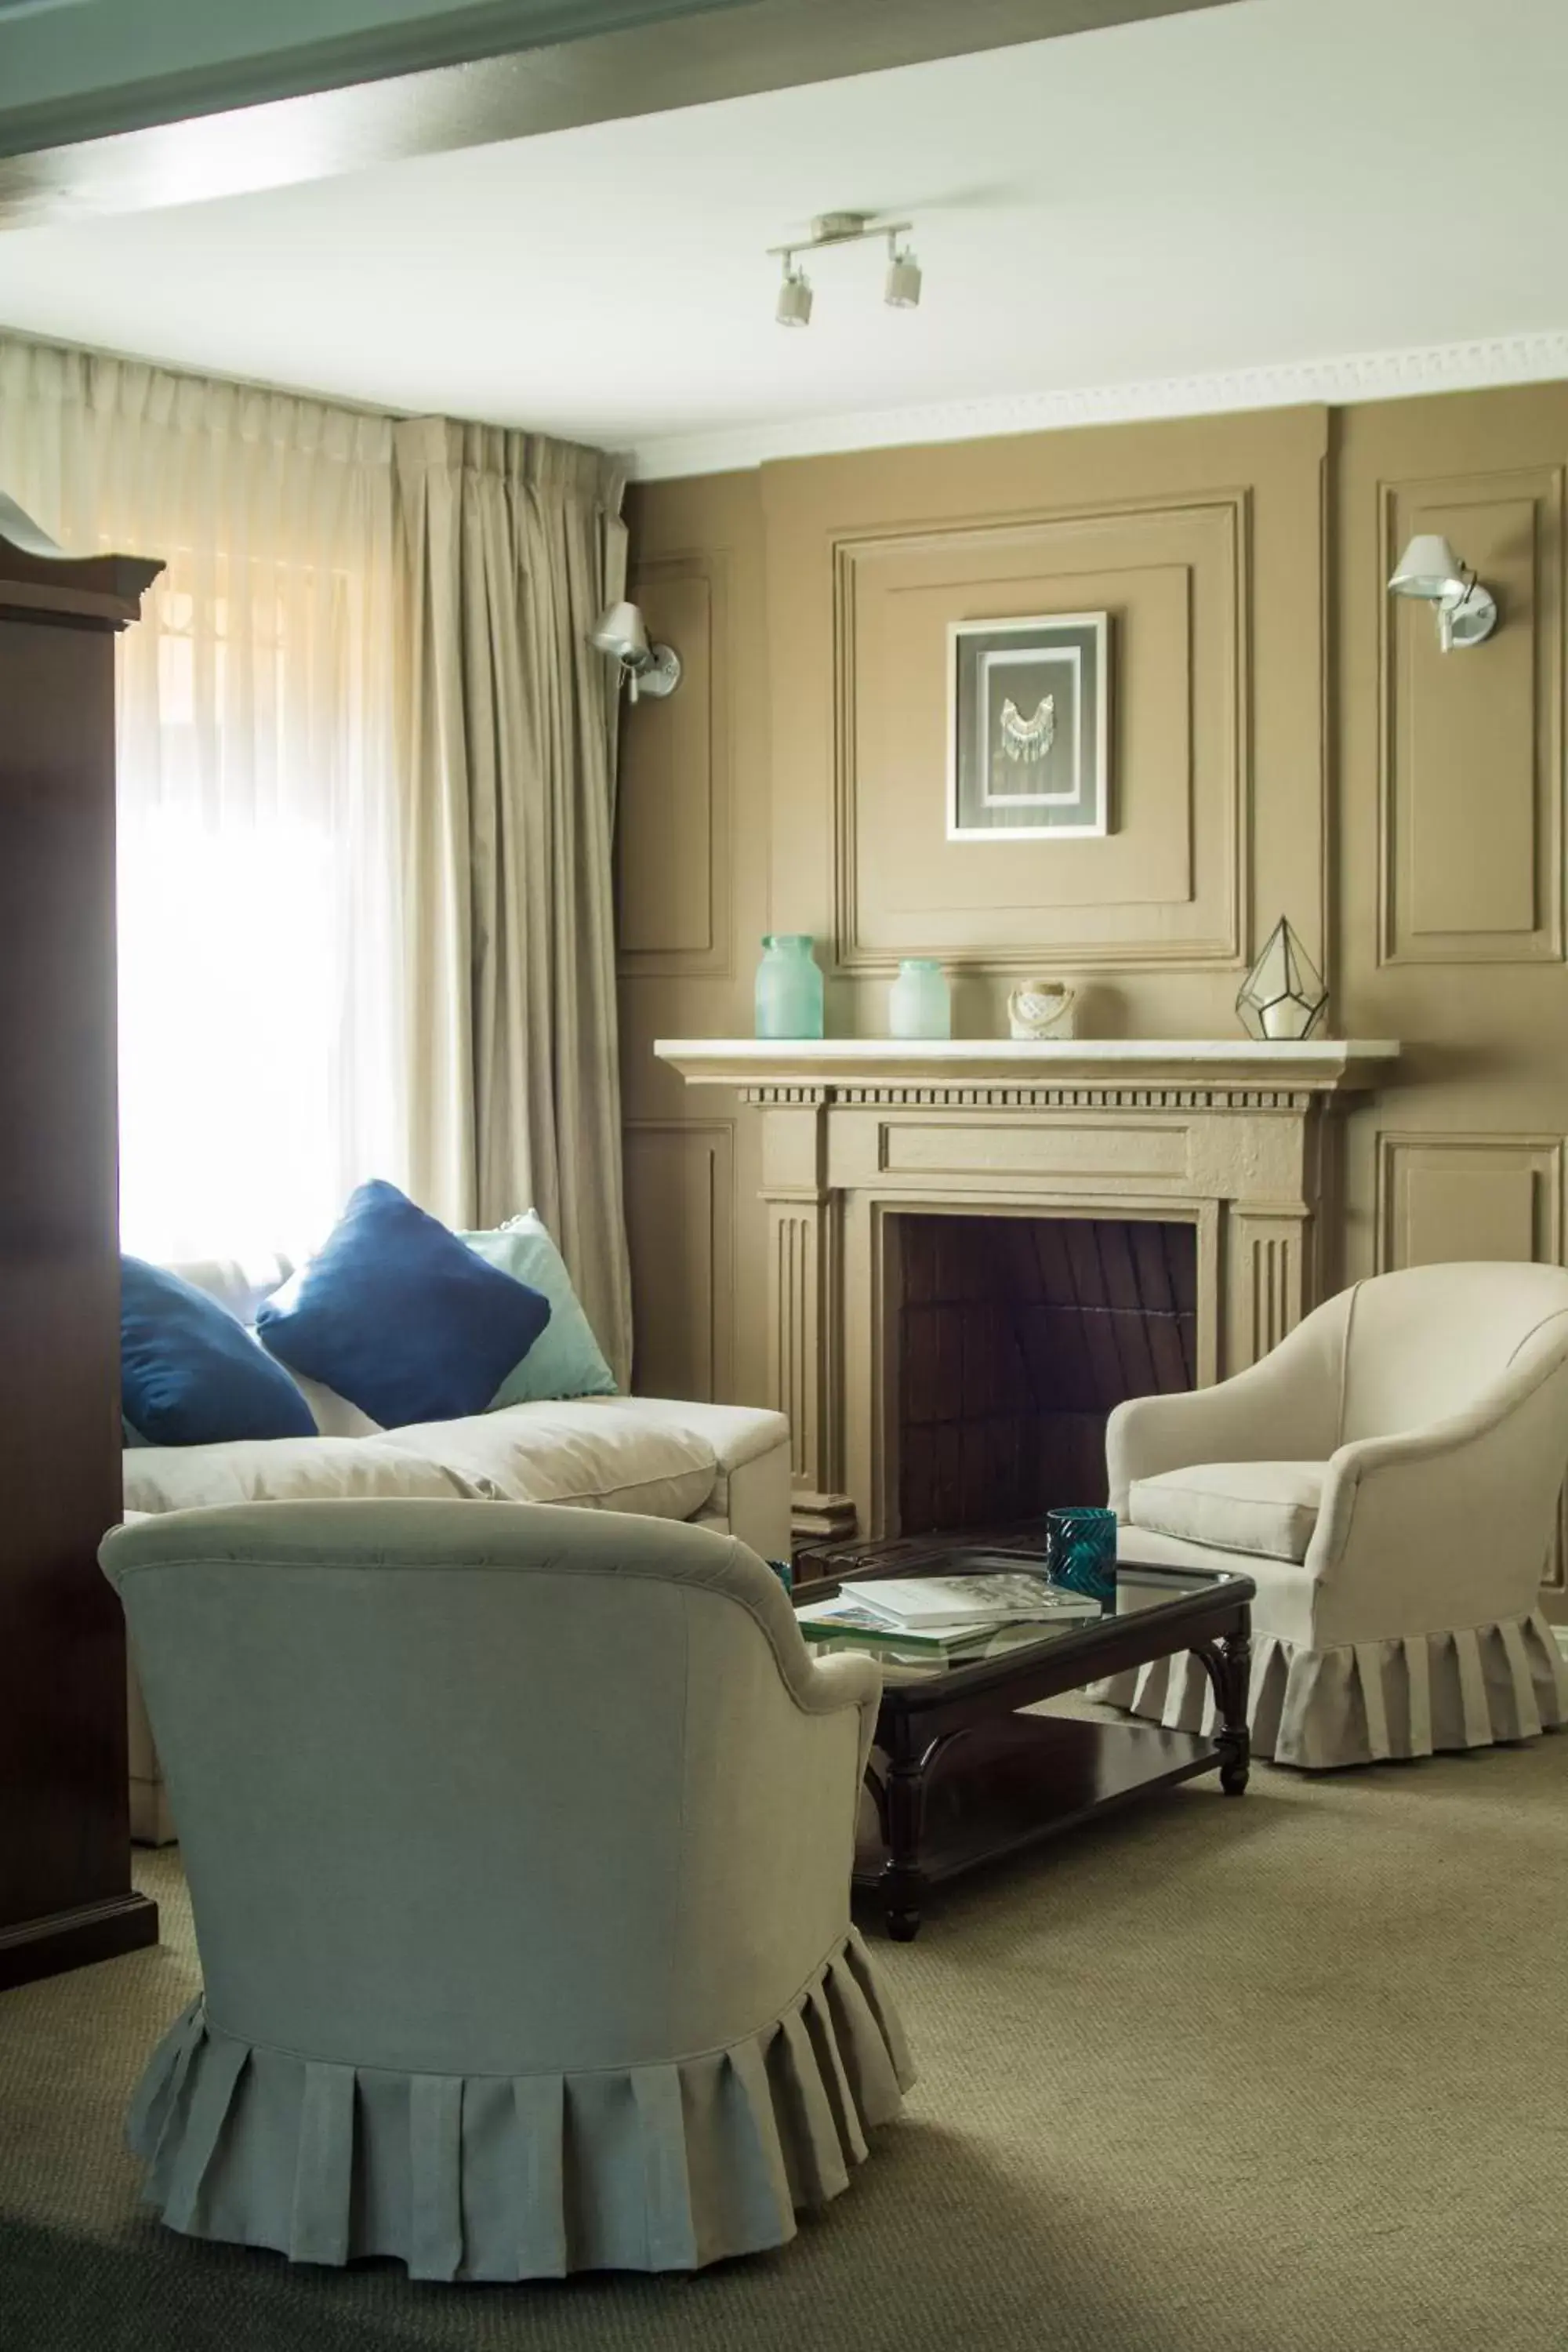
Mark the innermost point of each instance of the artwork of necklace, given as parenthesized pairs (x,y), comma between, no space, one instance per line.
(1023,740)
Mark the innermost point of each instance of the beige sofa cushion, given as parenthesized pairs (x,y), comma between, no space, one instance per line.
(1269,1508)
(604,1452)
(277,1470)
(739,1434)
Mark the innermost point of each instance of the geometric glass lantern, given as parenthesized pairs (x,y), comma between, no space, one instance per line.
(1283,995)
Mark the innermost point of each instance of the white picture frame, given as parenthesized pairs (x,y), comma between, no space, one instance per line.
(1028,708)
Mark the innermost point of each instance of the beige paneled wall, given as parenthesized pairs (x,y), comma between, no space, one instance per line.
(692,854)
(1286,738)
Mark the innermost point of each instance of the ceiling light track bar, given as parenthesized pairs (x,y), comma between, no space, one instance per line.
(841,228)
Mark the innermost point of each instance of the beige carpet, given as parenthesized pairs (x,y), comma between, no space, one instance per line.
(1283,2075)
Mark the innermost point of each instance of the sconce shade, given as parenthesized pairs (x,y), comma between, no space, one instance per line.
(619,630)
(1428,567)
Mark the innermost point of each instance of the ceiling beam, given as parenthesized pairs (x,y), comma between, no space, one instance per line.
(395,78)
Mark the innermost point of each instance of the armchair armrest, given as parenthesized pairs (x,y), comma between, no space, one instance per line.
(1451,1523)
(847,1679)
(1285,1408)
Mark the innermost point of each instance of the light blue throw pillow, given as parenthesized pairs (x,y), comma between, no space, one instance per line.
(565,1361)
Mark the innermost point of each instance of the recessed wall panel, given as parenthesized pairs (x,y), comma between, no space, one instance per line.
(672,819)
(1443,1198)
(1472,782)
(679,1188)
(1164,883)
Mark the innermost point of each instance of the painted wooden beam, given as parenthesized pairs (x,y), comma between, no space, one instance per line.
(109,108)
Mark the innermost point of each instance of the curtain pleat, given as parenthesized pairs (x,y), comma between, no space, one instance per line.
(508,546)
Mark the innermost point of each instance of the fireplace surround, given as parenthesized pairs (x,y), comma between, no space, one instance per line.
(1233,1145)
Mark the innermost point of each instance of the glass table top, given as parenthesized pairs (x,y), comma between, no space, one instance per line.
(1138,1586)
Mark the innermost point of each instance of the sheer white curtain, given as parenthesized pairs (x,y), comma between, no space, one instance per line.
(262,1026)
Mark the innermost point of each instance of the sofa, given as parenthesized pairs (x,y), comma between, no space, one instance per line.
(724,1467)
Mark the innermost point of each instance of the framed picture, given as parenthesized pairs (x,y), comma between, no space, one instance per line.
(1027,755)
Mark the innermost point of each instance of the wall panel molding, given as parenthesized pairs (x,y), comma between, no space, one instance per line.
(680,1217)
(674,824)
(1468,1195)
(1169,886)
(1471,788)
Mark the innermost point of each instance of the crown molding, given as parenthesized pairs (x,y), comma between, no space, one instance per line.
(1360,376)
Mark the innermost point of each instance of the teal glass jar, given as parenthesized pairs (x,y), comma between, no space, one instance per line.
(789,987)
(921,1002)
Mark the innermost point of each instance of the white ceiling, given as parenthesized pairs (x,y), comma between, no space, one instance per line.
(1189,213)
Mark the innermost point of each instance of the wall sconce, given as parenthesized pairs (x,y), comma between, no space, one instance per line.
(648,669)
(1429,569)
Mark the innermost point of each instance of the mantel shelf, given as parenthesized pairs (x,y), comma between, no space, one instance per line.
(1318,1065)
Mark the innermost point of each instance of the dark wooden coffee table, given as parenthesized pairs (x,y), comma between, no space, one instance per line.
(958,1777)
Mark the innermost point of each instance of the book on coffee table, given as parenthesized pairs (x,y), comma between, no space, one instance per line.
(945,1610)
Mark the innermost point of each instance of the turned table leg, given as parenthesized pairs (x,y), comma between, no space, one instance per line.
(903,1883)
(1228,1665)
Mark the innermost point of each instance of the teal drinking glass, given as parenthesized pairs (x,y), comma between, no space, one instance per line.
(1080,1551)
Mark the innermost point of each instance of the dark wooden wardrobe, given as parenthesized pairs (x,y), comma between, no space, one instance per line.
(65,1856)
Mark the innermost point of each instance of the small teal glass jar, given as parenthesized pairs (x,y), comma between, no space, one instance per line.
(789,987)
(921,1001)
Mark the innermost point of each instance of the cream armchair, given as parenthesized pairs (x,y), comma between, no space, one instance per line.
(519,1843)
(1390,1475)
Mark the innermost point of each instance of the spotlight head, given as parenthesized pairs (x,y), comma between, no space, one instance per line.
(619,632)
(794,298)
(901,288)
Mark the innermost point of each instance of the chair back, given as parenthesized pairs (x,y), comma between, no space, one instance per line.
(488,1789)
(1428,1343)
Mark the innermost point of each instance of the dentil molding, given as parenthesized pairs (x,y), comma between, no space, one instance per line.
(1357,375)
(1050,1073)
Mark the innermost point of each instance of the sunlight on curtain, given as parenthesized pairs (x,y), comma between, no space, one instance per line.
(261,1012)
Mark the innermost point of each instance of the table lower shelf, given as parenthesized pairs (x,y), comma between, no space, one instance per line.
(1010,1782)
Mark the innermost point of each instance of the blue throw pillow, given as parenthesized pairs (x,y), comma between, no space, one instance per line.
(190,1374)
(566,1361)
(395,1314)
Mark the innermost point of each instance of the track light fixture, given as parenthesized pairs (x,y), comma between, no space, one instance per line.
(900,288)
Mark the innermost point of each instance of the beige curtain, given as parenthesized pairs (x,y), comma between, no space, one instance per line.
(508,546)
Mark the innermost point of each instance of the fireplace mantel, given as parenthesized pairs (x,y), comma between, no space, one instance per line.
(1238,1138)
(844,1069)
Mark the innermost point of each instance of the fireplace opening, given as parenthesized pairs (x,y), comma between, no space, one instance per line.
(1015,1336)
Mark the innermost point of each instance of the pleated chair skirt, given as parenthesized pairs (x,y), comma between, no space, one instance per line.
(1365,1702)
(485,2177)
